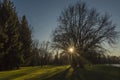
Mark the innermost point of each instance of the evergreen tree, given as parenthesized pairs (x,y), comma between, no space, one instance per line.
(10,45)
(25,37)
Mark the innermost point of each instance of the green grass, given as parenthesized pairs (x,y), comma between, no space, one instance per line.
(97,72)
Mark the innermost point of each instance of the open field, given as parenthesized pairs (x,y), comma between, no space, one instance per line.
(97,72)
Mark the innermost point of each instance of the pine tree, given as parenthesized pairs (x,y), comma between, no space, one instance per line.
(10,45)
(25,37)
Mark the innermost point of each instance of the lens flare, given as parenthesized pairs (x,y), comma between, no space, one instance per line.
(71,49)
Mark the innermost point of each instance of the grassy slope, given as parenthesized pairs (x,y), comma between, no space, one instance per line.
(98,72)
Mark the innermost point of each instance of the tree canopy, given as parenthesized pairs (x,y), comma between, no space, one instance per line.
(85,29)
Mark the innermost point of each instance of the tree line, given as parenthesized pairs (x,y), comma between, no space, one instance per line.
(79,27)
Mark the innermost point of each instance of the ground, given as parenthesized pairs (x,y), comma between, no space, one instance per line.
(96,72)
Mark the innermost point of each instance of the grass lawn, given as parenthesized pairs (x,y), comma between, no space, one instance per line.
(97,72)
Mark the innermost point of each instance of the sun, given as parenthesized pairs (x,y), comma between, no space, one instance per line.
(71,49)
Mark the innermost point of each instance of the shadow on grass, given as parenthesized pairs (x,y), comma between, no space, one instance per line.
(75,75)
(58,76)
(85,74)
(102,73)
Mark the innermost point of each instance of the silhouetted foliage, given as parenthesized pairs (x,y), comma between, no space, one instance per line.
(15,37)
(41,54)
(84,29)
(26,40)
(34,58)
(10,54)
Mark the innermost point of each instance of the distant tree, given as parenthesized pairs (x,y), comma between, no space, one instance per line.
(44,52)
(26,40)
(56,59)
(85,30)
(41,54)
(10,45)
(34,58)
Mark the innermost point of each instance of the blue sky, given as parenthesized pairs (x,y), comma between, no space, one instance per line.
(42,15)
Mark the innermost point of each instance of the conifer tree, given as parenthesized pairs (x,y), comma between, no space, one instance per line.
(10,44)
(25,37)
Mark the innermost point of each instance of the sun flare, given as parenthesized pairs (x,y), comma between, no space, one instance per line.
(71,49)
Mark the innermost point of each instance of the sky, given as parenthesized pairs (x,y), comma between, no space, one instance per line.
(42,15)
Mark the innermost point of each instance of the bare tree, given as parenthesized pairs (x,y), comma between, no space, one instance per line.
(45,54)
(40,53)
(34,58)
(84,29)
